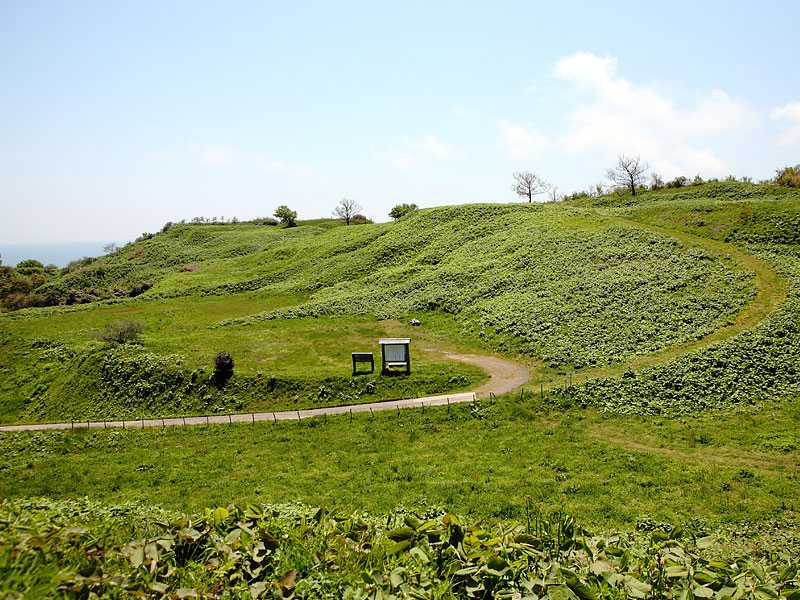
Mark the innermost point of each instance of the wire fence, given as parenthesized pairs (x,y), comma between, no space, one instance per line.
(254,417)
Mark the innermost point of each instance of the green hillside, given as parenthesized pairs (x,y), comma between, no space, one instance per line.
(675,314)
(562,287)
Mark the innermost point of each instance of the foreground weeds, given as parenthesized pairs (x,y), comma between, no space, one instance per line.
(79,549)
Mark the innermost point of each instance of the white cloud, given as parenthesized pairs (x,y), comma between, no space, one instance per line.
(282,167)
(522,141)
(409,151)
(212,154)
(789,112)
(616,116)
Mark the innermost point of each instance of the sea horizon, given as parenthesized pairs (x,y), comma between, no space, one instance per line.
(50,253)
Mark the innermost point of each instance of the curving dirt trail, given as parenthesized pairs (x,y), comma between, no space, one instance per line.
(504,375)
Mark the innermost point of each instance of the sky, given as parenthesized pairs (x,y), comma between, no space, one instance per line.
(117,117)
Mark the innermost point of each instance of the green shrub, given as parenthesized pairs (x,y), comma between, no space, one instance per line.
(121,332)
(401,210)
(678,182)
(788,176)
(27,267)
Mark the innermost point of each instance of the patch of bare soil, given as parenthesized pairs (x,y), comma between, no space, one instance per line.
(504,375)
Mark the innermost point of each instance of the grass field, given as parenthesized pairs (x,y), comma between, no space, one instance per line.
(607,470)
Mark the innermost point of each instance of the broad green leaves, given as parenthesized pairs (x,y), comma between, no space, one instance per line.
(79,549)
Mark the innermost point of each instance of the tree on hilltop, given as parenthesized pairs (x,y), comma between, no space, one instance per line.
(401,210)
(286,215)
(527,185)
(788,176)
(628,173)
(346,209)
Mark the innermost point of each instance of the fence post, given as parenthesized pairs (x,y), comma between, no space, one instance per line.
(522,395)
(254,417)
(372,413)
(298,416)
(230,419)
(184,421)
(448,404)
(274,418)
(142,422)
(351,415)
(206,419)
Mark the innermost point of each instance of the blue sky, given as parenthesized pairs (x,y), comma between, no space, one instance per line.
(118,117)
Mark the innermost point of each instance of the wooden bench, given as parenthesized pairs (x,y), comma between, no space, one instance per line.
(363,357)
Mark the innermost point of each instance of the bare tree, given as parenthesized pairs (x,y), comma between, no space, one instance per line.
(629,173)
(553,195)
(110,247)
(527,185)
(656,183)
(346,209)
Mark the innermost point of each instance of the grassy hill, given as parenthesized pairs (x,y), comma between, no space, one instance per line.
(562,287)
(678,312)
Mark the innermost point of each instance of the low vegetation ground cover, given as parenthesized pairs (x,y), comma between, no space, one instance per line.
(760,363)
(78,549)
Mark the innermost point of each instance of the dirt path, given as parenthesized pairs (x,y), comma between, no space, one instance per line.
(504,375)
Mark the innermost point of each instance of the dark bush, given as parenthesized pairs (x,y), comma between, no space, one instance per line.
(223,362)
(121,332)
(223,368)
(401,210)
(83,296)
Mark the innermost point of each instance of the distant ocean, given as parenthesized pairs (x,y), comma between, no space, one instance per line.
(49,254)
